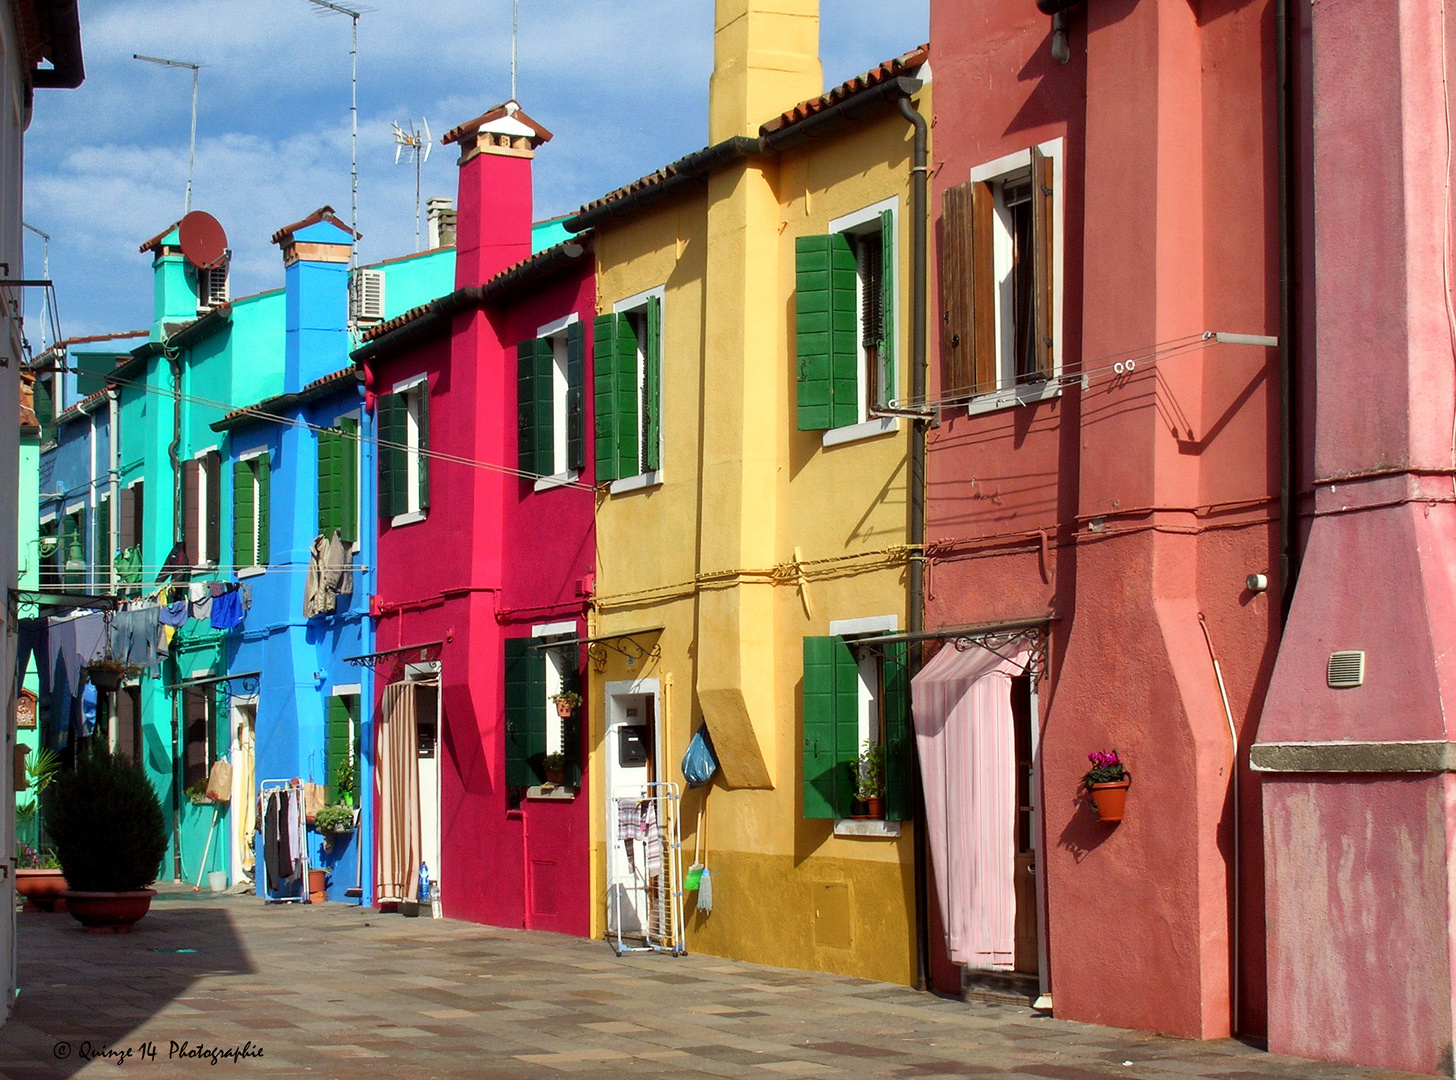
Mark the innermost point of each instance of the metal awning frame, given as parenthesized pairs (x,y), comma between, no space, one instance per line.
(999,638)
(430,651)
(249,679)
(624,644)
(68,601)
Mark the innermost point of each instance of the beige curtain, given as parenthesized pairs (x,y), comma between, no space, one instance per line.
(247,819)
(398,767)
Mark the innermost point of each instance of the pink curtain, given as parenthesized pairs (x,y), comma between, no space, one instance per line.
(966,738)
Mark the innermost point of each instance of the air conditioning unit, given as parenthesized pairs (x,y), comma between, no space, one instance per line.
(366,296)
(212,287)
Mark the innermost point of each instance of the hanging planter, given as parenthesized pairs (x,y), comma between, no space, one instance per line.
(106,673)
(566,703)
(1107,783)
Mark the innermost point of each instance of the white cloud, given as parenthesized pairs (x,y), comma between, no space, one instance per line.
(622,84)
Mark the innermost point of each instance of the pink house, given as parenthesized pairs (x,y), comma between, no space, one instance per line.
(486,558)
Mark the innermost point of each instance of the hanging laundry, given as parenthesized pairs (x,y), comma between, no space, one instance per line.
(129,569)
(134,637)
(316,599)
(216,588)
(199,596)
(227,610)
(246,592)
(71,643)
(174,613)
(33,641)
(177,564)
(339,566)
(88,711)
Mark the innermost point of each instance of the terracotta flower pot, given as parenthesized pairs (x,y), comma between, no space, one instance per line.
(318,887)
(42,889)
(564,709)
(1108,799)
(875,804)
(109,912)
(556,776)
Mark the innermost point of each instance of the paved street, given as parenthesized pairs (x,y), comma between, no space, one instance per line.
(334,991)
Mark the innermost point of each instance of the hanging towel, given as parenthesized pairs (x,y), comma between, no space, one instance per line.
(71,644)
(129,569)
(199,597)
(316,599)
(216,588)
(34,640)
(173,614)
(227,610)
(651,838)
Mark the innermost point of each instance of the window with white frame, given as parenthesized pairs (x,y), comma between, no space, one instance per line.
(404,443)
(627,369)
(845,319)
(550,406)
(203,504)
(1000,277)
(252,483)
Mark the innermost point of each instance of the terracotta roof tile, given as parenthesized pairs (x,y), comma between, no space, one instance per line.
(323,213)
(156,241)
(470,127)
(890,69)
(310,391)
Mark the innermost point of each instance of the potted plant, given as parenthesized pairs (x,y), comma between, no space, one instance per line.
(108,673)
(37,875)
(869,781)
(110,836)
(38,878)
(567,702)
(332,821)
(197,793)
(1107,782)
(555,766)
(344,782)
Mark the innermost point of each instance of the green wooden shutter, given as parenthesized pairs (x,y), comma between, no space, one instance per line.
(575,397)
(625,390)
(604,349)
(244,515)
(890,388)
(525,712)
(422,401)
(899,733)
(652,389)
(349,479)
(825,332)
(571,726)
(393,499)
(338,743)
(44,404)
(831,727)
(330,487)
(263,471)
(528,391)
(102,545)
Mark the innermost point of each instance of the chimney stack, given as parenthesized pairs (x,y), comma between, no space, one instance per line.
(440,217)
(316,255)
(765,60)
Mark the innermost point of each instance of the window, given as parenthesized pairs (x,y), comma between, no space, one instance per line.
(338,480)
(550,383)
(51,556)
(998,277)
(199,715)
(627,365)
(73,550)
(203,502)
(129,535)
(252,484)
(535,672)
(126,724)
(101,548)
(845,320)
(341,745)
(404,443)
(853,695)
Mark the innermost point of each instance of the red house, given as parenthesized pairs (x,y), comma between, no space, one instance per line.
(486,558)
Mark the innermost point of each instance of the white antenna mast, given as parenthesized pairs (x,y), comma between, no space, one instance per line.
(192,142)
(353,14)
(515,33)
(417,144)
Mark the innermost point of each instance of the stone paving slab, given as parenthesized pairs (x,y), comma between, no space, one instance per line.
(335,991)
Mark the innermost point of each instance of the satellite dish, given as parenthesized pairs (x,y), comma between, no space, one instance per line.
(204,244)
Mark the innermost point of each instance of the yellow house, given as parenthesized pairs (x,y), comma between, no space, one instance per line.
(755,334)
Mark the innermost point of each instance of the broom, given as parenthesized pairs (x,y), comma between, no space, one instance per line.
(705,879)
(695,872)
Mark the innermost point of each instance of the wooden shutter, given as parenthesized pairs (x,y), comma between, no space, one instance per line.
(899,732)
(338,743)
(1041,242)
(826,337)
(348,441)
(625,389)
(889,388)
(330,487)
(196,755)
(244,515)
(535,359)
(831,727)
(652,389)
(525,712)
(983,285)
(604,348)
(575,397)
(421,393)
(191,497)
(102,545)
(44,404)
(571,726)
(212,470)
(139,519)
(127,530)
(263,472)
(393,499)
(957,309)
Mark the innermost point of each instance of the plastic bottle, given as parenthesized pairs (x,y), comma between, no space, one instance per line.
(424,886)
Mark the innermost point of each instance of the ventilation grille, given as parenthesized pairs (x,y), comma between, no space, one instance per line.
(367,296)
(212,287)
(1346,670)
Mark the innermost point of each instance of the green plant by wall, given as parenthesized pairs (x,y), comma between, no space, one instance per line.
(107,825)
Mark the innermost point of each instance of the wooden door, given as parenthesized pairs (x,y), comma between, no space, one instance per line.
(1026,861)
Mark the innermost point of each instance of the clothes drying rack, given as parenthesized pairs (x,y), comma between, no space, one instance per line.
(301,839)
(642,906)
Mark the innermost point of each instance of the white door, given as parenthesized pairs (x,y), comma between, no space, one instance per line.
(427,727)
(631,765)
(243,807)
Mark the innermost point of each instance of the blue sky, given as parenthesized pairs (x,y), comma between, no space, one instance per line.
(623,84)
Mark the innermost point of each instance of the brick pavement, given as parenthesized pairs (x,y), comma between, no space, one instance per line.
(336,991)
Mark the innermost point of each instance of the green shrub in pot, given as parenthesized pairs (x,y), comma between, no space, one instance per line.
(107,825)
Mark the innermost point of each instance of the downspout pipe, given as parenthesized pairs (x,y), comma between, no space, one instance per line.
(174,450)
(919,255)
(1288,539)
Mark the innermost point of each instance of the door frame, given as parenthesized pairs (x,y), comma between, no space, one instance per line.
(236,705)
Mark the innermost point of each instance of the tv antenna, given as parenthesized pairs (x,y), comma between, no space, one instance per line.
(416,144)
(192,143)
(45,272)
(515,33)
(326,6)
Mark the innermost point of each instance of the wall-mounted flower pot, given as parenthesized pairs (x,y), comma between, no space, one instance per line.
(564,709)
(1108,800)
(876,806)
(556,776)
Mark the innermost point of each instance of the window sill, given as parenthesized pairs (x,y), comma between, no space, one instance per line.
(252,571)
(414,517)
(1027,394)
(881,425)
(636,483)
(860,827)
(558,793)
(546,483)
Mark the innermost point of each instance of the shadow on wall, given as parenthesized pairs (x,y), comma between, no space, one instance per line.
(68,978)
